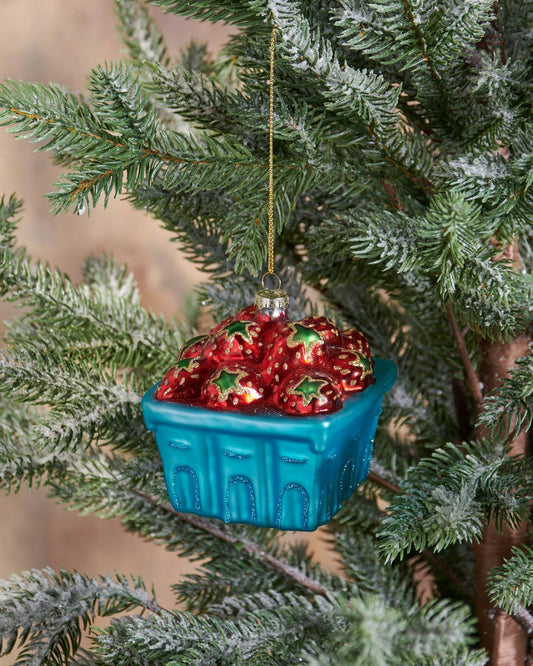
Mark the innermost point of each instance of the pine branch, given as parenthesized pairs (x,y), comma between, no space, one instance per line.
(446,247)
(511,585)
(426,554)
(400,34)
(201,99)
(140,33)
(147,49)
(53,114)
(433,52)
(122,105)
(222,586)
(107,163)
(269,634)
(182,164)
(474,484)
(100,321)
(10,211)
(19,461)
(45,379)
(347,91)
(509,408)
(376,633)
(217,581)
(240,14)
(43,612)
(498,186)
(220,232)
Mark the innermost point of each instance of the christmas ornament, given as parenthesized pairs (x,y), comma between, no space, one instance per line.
(265,420)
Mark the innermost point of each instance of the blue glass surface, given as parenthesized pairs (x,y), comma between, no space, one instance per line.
(271,470)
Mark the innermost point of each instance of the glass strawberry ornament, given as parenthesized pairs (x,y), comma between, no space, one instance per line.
(268,421)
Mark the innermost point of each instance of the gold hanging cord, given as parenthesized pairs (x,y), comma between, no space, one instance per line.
(272,297)
(270,268)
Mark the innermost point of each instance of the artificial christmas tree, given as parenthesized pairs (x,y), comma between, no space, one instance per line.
(402,137)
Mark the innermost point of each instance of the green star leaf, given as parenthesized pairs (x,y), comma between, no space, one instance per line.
(186,363)
(228,381)
(241,328)
(304,335)
(364,362)
(309,388)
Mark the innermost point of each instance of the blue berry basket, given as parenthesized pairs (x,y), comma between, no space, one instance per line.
(288,472)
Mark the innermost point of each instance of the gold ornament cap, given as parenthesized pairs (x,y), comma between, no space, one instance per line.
(272,301)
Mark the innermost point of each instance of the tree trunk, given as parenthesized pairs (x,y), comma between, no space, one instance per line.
(504,639)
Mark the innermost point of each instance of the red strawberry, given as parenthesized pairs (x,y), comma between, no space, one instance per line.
(294,346)
(352,367)
(308,392)
(237,340)
(234,386)
(182,383)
